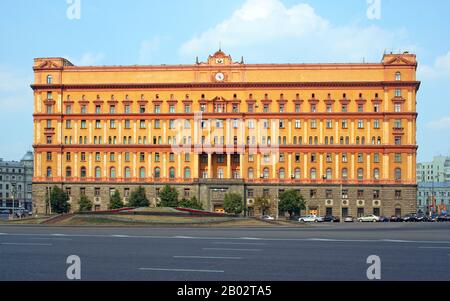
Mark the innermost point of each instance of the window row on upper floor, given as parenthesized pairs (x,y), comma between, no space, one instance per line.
(313,105)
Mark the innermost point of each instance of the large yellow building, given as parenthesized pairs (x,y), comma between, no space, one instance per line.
(344,135)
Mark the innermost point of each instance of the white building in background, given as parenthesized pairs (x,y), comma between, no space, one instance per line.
(20,175)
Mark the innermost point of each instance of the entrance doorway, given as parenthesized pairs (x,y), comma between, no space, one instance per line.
(344,212)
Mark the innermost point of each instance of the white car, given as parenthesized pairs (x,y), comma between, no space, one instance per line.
(310,219)
(369,218)
(267,217)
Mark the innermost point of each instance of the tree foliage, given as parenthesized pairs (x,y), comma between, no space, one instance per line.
(116,201)
(191,203)
(233,203)
(85,204)
(59,200)
(138,198)
(263,203)
(291,201)
(168,196)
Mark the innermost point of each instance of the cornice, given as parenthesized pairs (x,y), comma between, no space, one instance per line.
(227,85)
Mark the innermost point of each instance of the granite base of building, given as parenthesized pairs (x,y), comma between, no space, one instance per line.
(337,200)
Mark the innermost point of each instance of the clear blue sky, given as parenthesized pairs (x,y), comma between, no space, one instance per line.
(115,32)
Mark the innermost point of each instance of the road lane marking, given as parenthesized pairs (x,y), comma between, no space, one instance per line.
(227,249)
(24,244)
(181,270)
(50,238)
(233,238)
(434,247)
(208,257)
(240,243)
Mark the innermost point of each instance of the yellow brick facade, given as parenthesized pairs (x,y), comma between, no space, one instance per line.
(261,124)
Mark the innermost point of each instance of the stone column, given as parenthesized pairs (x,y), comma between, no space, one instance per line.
(210,173)
(228,175)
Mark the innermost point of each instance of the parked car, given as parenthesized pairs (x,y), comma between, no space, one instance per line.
(368,218)
(443,218)
(395,219)
(349,219)
(422,218)
(412,217)
(332,219)
(267,217)
(383,219)
(4,212)
(310,219)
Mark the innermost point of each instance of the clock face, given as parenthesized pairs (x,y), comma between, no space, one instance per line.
(220,76)
(219,61)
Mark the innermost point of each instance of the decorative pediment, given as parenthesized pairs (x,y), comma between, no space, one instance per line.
(399,60)
(48,65)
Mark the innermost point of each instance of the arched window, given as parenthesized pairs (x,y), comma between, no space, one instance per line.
(282,173)
(357,140)
(49,79)
(398,75)
(376,174)
(49,172)
(295,140)
(83,172)
(398,174)
(360,174)
(112,172)
(341,140)
(68,172)
(98,172)
(373,140)
(157,173)
(347,140)
(266,173)
(329,174)
(326,140)
(250,173)
(344,174)
(187,173)
(127,172)
(316,140)
(310,140)
(312,174)
(379,140)
(172,173)
(142,172)
(363,140)
(331,140)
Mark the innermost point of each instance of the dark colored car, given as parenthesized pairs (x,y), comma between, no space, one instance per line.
(443,218)
(384,219)
(410,218)
(422,218)
(332,219)
(395,219)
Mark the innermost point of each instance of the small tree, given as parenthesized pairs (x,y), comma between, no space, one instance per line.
(138,198)
(263,203)
(233,203)
(116,201)
(168,196)
(193,203)
(85,204)
(59,200)
(291,201)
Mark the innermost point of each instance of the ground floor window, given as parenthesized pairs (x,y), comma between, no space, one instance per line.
(360,212)
(344,212)
(329,211)
(376,211)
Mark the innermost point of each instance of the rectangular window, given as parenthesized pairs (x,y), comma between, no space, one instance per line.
(83,124)
(314,124)
(376,124)
(112,124)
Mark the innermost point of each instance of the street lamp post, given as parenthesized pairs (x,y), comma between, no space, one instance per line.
(13,195)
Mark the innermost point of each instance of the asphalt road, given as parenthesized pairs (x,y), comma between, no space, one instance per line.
(320,252)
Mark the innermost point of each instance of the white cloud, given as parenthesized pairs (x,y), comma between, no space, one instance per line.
(87,59)
(148,50)
(440,68)
(268,30)
(443,123)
